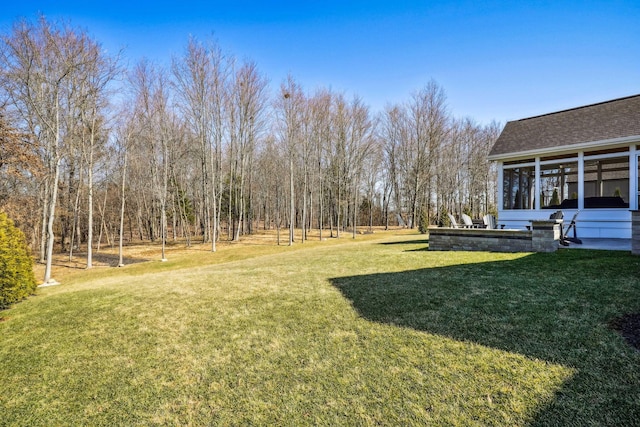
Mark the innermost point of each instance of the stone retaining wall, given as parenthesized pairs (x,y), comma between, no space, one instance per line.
(543,237)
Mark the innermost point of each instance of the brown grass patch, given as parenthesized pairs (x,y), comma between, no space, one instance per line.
(143,251)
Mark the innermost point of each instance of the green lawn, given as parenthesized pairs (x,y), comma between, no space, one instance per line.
(375,331)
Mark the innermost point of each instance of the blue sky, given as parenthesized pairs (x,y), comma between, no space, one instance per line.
(496,60)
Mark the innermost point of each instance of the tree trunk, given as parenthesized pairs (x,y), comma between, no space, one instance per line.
(122,205)
(50,220)
(90,201)
(43,230)
(76,219)
(292,208)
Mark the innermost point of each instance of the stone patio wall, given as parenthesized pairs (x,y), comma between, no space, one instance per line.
(543,237)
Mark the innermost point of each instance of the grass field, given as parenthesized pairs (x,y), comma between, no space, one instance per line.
(372,331)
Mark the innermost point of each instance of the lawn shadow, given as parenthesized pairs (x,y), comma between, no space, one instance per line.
(79,260)
(407,242)
(422,249)
(555,307)
(112,260)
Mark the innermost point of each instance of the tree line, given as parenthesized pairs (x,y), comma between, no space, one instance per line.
(93,152)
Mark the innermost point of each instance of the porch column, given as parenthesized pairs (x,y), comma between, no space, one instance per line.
(500,187)
(537,185)
(633,178)
(581,180)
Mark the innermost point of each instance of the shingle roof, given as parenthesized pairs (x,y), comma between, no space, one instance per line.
(613,119)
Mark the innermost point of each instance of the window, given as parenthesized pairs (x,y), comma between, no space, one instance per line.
(517,187)
(559,186)
(606,183)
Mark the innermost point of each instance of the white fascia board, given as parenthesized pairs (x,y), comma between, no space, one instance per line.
(572,148)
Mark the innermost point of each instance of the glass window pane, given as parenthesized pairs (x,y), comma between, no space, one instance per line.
(606,183)
(518,188)
(559,186)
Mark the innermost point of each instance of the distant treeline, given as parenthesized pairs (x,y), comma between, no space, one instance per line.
(94,152)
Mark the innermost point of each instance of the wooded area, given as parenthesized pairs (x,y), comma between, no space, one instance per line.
(93,153)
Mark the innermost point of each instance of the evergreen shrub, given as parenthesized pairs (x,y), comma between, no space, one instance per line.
(423,221)
(555,198)
(17,280)
(443,218)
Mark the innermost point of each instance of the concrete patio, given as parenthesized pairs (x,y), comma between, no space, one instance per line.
(604,244)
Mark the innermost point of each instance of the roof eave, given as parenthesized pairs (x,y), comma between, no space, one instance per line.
(603,144)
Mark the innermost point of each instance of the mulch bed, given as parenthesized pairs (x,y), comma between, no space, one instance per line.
(629,327)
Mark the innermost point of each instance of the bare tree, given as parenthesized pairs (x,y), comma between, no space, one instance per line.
(248,110)
(201,79)
(372,174)
(124,138)
(360,149)
(99,71)
(290,108)
(156,123)
(39,62)
(320,112)
(394,132)
(428,123)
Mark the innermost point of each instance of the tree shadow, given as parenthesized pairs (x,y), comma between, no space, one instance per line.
(112,260)
(422,249)
(555,307)
(407,242)
(79,260)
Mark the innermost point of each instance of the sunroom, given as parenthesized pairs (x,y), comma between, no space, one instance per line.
(580,160)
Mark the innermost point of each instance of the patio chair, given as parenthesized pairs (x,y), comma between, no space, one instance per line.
(572,226)
(468,222)
(491,223)
(557,215)
(560,215)
(452,220)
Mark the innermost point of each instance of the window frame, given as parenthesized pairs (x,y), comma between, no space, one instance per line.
(613,155)
(533,186)
(564,160)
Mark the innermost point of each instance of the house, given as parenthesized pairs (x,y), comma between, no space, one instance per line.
(584,159)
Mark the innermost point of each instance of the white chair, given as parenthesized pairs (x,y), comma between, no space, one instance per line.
(490,222)
(468,223)
(452,220)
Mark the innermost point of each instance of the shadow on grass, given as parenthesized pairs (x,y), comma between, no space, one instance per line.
(407,242)
(554,307)
(112,260)
(79,261)
(422,249)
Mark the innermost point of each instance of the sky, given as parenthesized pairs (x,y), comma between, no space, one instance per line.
(495,60)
